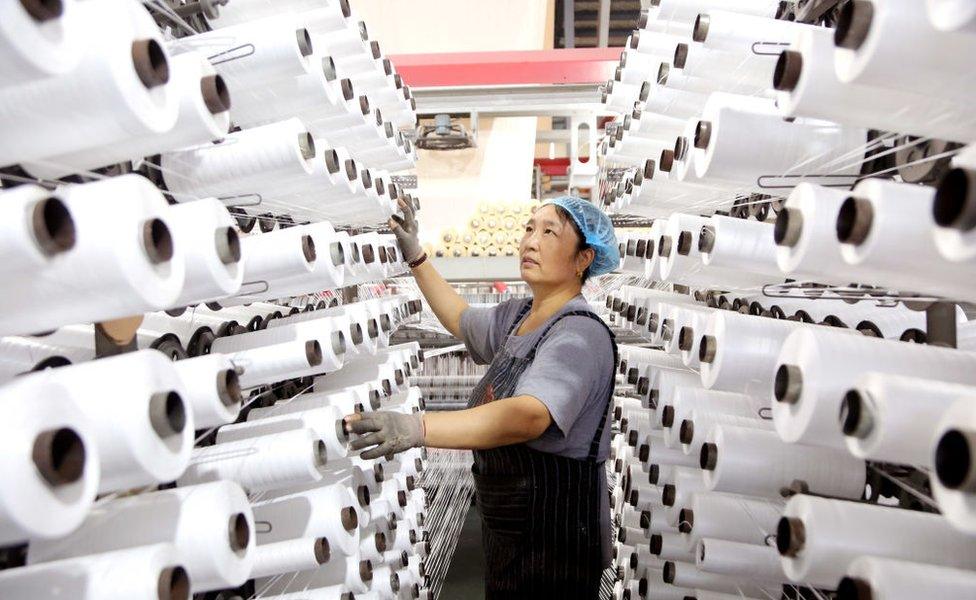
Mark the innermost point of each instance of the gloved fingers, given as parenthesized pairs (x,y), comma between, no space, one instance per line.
(394,224)
(382,450)
(365,425)
(367,440)
(407,209)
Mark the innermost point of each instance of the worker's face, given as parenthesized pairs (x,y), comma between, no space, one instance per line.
(548,252)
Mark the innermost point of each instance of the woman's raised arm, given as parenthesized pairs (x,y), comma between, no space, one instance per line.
(447,304)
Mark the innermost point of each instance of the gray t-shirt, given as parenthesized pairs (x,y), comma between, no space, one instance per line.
(571,373)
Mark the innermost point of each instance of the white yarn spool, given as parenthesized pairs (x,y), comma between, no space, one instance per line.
(325,421)
(318,92)
(952,15)
(290,555)
(140,420)
(738,352)
(805,233)
(214,268)
(884,321)
(330,592)
(117,91)
(658,45)
(887,579)
(260,463)
(675,496)
(866,52)
(358,315)
(673,103)
(687,10)
(835,532)
(210,525)
(276,256)
(952,454)
(675,409)
(740,244)
(663,388)
(750,68)
(885,233)
(808,87)
(656,588)
(699,422)
(328,333)
(792,152)
(353,266)
(52,462)
(756,462)
(253,162)
(710,595)
(736,559)
(147,573)
(38,41)
(687,575)
(276,362)
(681,264)
(646,497)
(731,517)
(328,511)
(351,573)
(213,389)
(123,261)
(361,371)
(35,227)
(689,337)
(652,266)
(19,355)
(670,546)
(194,328)
(659,524)
(328,272)
(202,116)
(893,419)
(739,33)
(251,54)
(678,319)
(345,400)
(244,11)
(807,401)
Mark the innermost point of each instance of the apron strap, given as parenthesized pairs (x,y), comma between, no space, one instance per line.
(518,317)
(598,435)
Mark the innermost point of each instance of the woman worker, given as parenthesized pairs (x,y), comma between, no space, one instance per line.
(538,420)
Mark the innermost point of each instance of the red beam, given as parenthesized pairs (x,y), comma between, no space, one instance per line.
(553,166)
(572,65)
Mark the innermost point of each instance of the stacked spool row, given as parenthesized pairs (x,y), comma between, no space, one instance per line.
(115,425)
(203,441)
(756,453)
(494,230)
(705,129)
(794,444)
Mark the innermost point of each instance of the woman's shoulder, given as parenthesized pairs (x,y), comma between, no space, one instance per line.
(581,321)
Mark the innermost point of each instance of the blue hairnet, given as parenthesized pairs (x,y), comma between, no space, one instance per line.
(597,231)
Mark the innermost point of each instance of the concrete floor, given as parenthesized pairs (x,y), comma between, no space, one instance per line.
(465,578)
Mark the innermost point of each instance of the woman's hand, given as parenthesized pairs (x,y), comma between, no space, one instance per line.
(407,232)
(389,432)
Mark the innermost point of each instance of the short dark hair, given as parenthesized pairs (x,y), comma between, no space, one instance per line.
(581,244)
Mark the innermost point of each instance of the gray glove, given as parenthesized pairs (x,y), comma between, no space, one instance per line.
(406,229)
(389,432)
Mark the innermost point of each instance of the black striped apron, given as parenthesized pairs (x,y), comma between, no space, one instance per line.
(540,512)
